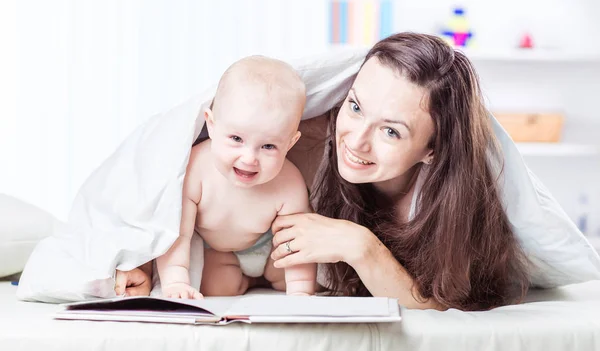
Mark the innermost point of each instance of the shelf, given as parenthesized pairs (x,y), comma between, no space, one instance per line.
(530,55)
(557,149)
(510,54)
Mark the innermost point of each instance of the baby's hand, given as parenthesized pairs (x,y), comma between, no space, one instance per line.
(180,291)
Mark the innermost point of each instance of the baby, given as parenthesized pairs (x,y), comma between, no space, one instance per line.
(238,181)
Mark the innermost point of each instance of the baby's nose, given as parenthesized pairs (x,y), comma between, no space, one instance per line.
(249,158)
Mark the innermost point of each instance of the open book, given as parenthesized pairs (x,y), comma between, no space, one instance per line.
(247,309)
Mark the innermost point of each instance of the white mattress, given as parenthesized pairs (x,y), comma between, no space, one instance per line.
(567,318)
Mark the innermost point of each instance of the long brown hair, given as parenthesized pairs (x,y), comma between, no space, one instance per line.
(459,248)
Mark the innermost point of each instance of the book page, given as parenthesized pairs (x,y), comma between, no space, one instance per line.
(247,305)
(334,306)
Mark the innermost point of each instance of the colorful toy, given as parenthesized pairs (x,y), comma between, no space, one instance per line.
(526,41)
(458,32)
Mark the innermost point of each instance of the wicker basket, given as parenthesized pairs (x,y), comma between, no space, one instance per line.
(532,127)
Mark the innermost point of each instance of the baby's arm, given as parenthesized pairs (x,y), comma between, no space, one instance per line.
(173,266)
(300,279)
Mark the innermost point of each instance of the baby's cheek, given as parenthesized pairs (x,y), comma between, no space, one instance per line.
(273,166)
(226,155)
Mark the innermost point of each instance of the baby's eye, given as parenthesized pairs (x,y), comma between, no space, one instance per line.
(269,147)
(354,107)
(391,133)
(236,138)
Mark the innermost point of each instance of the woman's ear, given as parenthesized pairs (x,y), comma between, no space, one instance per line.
(429,158)
(209,119)
(294,140)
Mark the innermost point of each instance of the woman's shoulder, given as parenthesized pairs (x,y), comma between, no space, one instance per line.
(307,154)
(315,127)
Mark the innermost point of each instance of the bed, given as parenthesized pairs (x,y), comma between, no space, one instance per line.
(565,318)
(146,196)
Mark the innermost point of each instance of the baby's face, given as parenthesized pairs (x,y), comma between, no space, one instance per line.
(250,141)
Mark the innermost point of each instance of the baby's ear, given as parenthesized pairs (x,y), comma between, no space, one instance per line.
(294,140)
(209,119)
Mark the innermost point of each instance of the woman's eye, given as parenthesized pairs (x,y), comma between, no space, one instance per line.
(236,138)
(269,147)
(391,133)
(354,107)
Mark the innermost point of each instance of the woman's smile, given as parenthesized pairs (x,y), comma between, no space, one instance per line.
(353,161)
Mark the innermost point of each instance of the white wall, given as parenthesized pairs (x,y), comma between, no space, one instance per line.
(82,74)
(78,76)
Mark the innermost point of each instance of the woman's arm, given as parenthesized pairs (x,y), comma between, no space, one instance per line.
(315,238)
(383,275)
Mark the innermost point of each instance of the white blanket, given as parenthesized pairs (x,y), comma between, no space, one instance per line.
(559,319)
(128,211)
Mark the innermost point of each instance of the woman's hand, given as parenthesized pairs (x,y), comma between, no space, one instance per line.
(135,282)
(313,238)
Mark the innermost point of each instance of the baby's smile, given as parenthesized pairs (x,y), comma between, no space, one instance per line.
(245,176)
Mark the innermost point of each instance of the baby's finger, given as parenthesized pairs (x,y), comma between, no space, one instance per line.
(198,295)
(189,293)
(120,282)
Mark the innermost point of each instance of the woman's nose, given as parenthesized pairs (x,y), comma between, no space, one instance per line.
(359,140)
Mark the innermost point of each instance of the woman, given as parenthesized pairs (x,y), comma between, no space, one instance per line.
(406,201)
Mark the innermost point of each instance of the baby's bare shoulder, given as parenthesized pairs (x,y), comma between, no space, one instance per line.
(199,158)
(194,179)
(200,151)
(289,177)
(292,194)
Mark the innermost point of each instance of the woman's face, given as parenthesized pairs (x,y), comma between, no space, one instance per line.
(382,127)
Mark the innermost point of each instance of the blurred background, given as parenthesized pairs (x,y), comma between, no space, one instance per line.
(76,77)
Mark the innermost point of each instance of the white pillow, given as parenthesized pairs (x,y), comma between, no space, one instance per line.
(22,226)
(558,251)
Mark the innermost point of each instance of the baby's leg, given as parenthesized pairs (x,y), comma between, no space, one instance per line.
(222,275)
(275,276)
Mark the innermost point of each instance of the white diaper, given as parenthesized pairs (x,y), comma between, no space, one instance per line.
(254,259)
